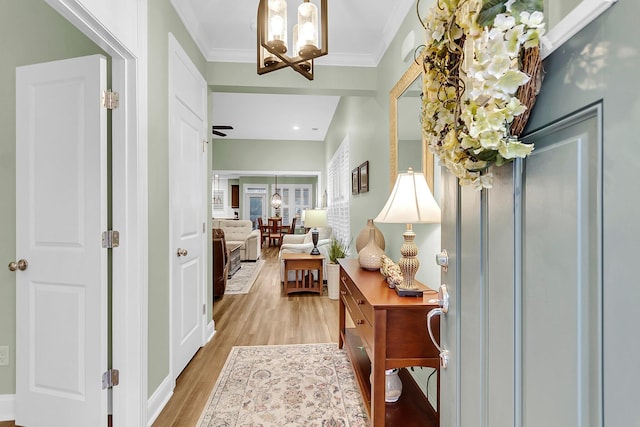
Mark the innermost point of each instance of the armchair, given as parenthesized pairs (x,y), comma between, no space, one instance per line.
(302,243)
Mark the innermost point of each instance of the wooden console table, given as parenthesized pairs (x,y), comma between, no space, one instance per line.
(390,332)
(303,265)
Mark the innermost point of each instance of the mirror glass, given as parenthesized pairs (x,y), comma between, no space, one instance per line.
(407,147)
(409,128)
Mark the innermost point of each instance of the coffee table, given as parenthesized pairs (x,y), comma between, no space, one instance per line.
(233,249)
(303,265)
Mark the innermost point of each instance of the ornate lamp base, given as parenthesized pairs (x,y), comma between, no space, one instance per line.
(409,264)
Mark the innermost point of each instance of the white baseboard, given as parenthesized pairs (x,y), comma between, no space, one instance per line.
(163,393)
(211,330)
(7,407)
(159,399)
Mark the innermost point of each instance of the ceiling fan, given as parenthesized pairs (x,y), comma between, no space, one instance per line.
(216,132)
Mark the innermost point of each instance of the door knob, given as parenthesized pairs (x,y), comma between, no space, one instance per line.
(443,299)
(182,252)
(21,265)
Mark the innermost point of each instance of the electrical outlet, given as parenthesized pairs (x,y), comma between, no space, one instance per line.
(4,355)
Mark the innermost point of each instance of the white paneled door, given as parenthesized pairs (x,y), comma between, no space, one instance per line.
(61,209)
(525,324)
(188,183)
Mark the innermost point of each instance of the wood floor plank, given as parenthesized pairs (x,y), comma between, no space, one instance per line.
(265,316)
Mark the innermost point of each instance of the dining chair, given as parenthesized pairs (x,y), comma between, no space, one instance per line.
(264,231)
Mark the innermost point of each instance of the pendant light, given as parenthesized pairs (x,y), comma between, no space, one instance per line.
(309,36)
(276,200)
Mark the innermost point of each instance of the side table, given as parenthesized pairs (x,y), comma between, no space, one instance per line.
(303,265)
(234,258)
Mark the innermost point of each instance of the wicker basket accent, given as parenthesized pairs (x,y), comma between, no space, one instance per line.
(532,66)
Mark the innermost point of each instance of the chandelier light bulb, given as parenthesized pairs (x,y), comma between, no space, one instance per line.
(277,25)
(308,30)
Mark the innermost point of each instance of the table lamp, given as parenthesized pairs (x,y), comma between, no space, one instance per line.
(314,218)
(410,202)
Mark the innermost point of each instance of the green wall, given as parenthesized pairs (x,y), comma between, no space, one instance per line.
(162,20)
(365,119)
(30,32)
(266,155)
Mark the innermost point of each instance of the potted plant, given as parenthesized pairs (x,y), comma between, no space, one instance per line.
(337,249)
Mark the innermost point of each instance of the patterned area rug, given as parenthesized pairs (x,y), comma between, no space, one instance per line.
(243,280)
(286,385)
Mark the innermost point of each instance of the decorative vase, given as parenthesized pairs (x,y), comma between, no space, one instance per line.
(333,280)
(370,257)
(392,385)
(363,236)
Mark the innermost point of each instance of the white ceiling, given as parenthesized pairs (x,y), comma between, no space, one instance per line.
(274,116)
(359,33)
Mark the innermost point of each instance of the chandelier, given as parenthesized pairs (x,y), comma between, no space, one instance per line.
(276,200)
(273,41)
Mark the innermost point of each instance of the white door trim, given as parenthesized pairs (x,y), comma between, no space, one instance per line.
(130,217)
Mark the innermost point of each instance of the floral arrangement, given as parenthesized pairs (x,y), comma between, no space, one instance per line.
(473,62)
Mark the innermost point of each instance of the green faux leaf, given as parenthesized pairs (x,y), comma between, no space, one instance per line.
(528,5)
(490,9)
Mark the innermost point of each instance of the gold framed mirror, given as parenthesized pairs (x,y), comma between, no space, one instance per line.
(405,130)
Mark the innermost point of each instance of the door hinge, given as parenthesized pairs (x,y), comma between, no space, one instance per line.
(204,144)
(110,379)
(110,239)
(204,227)
(110,99)
(204,308)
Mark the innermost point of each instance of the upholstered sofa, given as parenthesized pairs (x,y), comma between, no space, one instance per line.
(241,231)
(302,243)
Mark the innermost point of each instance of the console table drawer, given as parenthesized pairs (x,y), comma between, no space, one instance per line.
(357,297)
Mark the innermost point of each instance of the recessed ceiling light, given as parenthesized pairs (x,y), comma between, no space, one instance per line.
(296,128)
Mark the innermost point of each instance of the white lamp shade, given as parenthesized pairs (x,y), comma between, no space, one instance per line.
(410,202)
(315,218)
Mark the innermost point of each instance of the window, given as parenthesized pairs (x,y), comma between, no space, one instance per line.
(338,192)
(295,199)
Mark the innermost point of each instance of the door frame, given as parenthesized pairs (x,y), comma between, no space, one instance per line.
(130,209)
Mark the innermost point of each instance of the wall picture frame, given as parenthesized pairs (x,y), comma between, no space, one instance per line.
(355,181)
(364,177)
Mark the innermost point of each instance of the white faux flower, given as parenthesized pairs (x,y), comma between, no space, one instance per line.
(533,20)
(504,22)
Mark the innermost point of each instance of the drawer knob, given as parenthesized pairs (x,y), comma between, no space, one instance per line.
(343,292)
(360,322)
(360,302)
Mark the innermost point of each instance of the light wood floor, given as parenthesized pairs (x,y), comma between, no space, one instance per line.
(265,316)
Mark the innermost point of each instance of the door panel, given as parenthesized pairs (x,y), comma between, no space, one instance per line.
(188,178)
(499,296)
(561,281)
(473,333)
(61,298)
